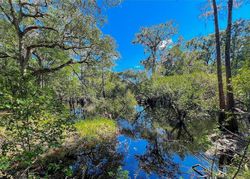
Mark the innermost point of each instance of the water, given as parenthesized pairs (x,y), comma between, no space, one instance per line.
(146,148)
(141,160)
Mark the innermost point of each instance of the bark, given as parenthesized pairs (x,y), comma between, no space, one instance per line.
(232,122)
(230,95)
(15,21)
(153,63)
(218,58)
(234,41)
(103,84)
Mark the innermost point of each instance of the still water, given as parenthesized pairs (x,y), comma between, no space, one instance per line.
(142,159)
(145,150)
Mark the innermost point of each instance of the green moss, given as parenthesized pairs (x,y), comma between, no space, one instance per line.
(96,128)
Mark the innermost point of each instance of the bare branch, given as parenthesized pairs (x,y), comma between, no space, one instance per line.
(50,70)
(56,44)
(30,28)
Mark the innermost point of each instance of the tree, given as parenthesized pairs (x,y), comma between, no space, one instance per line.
(240,31)
(204,47)
(155,39)
(233,124)
(218,58)
(39,39)
(48,35)
(230,95)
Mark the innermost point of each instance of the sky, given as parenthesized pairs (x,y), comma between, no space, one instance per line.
(126,19)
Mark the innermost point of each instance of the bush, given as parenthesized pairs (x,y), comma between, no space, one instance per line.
(193,93)
(33,123)
(241,84)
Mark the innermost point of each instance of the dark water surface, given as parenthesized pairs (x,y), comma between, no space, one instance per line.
(143,159)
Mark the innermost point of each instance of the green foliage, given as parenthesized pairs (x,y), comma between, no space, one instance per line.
(34,121)
(244,171)
(68,171)
(190,92)
(241,84)
(54,52)
(118,107)
(96,129)
(119,101)
(120,174)
(108,95)
(69,31)
(5,163)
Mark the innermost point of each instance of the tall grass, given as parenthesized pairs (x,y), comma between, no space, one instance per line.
(96,128)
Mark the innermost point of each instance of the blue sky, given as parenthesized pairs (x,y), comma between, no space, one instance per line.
(126,19)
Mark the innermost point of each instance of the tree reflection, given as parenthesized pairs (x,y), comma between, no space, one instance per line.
(99,161)
(82,159)
(169,133)
(158,161)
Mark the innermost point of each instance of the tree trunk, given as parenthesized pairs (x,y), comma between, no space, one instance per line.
(20,55)
(103,84)
(230,96)
(234,41)
(218,58)
(232,121)
(154,63)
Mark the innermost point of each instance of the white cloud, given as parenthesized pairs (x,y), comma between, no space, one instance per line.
(165,43)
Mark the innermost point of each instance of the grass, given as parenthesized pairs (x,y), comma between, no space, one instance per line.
(96,128)
(2,132)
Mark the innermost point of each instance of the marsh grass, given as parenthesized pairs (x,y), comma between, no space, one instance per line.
(96,129)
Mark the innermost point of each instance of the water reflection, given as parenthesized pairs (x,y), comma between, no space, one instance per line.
(156,148)
(151,146)
(142,161)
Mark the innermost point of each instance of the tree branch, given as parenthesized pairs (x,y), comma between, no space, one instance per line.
(4,55)
(36,15)
(56,44)
(30,28)
(8,17)
(241,161)
(14,19)
(50,70)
